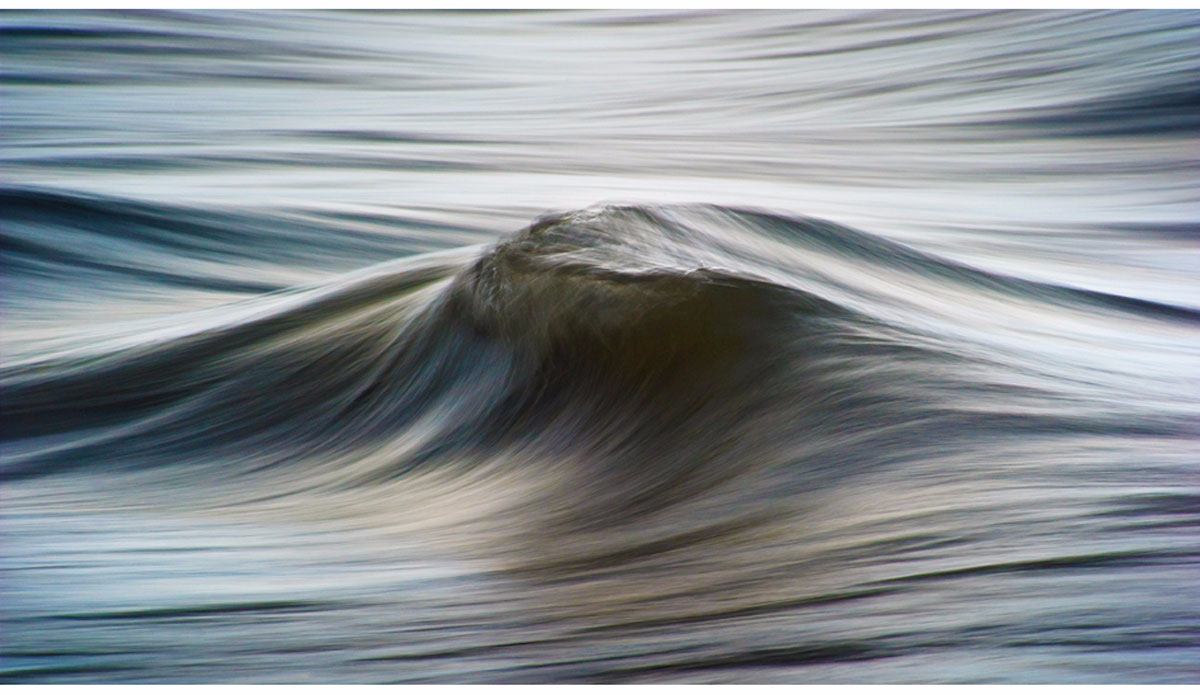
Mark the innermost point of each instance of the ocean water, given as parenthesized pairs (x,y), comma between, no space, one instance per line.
(616,347)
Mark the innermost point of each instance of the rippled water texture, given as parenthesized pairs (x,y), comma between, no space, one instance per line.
(600,347)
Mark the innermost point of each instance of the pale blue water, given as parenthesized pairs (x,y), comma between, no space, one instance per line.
(849,347)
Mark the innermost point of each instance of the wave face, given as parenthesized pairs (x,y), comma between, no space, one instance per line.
(289,404)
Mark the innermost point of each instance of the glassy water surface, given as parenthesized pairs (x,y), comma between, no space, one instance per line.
(600,347)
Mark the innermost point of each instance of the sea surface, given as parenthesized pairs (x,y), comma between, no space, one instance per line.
(600,347)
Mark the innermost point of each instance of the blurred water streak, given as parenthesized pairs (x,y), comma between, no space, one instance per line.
(600,346)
